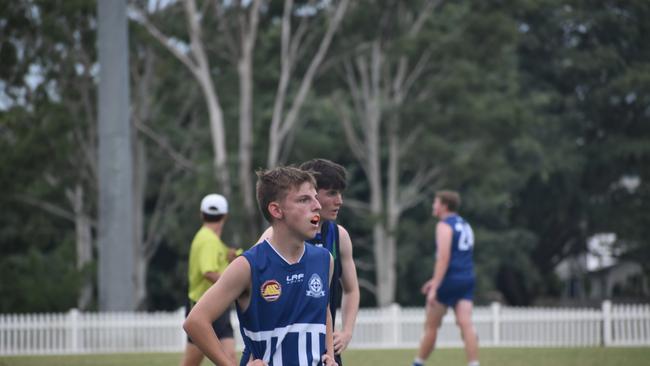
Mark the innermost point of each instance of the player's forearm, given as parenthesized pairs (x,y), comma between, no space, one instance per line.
(349,310)
(439,271)
(218,355)
(329,334)
(206,340)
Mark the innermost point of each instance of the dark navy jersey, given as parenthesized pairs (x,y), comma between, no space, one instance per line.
(461,264)
(285,323)
(328,238)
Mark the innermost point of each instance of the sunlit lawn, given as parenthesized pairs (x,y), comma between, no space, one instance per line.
(446,357)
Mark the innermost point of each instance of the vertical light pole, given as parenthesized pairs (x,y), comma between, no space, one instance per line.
(116,274)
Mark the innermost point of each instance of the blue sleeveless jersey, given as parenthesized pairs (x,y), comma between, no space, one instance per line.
(328,238)
(461,264)
(285,322)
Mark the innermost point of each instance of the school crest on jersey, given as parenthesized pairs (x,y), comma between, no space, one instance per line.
(315,286)
(271,290)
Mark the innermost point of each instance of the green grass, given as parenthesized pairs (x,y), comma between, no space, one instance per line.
(446,357)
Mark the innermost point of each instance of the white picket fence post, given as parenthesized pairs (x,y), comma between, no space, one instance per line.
(72,321)
(496,322)
(180,315)
(607,323)
(395,314)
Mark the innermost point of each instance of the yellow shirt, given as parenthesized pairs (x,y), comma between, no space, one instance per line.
(207,254)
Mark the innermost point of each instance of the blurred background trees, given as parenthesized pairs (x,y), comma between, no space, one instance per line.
(536,111)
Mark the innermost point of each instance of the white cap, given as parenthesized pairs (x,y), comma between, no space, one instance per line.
(214,204)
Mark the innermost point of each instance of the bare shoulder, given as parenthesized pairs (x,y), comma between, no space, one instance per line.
(345,244)
(344,236)
(238,270)
(443,225)
(265,235)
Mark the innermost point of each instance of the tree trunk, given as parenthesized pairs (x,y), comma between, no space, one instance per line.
(374,85)
(139,196)
(84,245)
(245,71)
(116,273)
(197,63)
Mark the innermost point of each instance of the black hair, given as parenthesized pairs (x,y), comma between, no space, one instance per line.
(211,218)
(328,174)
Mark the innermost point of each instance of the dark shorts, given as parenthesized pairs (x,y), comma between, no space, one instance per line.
(221,326)
(338,359)
(452,290)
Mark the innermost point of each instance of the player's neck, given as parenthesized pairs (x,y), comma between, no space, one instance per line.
(447,214)
(290,247)
(216,227)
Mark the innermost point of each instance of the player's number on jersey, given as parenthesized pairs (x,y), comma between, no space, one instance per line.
(466,240)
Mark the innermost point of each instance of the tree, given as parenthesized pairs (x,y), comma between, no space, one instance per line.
(292,46)
(380,78)
(589,65)
(193,55)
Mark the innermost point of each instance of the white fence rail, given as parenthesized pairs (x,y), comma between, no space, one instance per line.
(391,327)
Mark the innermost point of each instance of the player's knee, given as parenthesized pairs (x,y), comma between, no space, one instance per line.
(464,323)
(431,326)
(433,323)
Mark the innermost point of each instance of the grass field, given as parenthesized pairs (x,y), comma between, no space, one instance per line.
(446,357)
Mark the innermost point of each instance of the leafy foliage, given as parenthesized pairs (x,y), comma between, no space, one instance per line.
(536,111)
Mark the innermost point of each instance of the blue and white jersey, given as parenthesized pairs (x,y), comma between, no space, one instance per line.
(285,322)
(461,264)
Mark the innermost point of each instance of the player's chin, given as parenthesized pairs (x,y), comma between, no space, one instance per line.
(310,232)
(313,231)
(333,214)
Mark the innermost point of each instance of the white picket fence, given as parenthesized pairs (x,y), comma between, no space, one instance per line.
(391,327)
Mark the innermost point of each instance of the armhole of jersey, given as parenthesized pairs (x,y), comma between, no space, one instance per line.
(337,248)
(337,242)
(248,257)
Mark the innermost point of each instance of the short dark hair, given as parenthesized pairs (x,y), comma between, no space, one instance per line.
(451,199)
(274,184)
(328,174)
(211,218)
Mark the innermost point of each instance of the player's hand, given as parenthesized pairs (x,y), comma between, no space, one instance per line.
(232,254)
(341,341)
(431,296)
(256,363)
(328,360)
(425,288)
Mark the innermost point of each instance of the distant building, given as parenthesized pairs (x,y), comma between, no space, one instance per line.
(598,274)
(624,279)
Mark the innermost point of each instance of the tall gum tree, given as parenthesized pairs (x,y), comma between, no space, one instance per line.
(380,81)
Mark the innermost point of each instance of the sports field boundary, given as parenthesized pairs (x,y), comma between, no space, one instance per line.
(391,327)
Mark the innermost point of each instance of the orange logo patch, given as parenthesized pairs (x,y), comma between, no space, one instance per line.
(271,290)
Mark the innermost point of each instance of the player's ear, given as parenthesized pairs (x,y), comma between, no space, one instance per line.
(275,210)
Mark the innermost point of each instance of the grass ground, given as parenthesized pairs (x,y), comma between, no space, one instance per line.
(446,357)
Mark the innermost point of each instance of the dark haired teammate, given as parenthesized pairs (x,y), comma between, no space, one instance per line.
(452,284)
